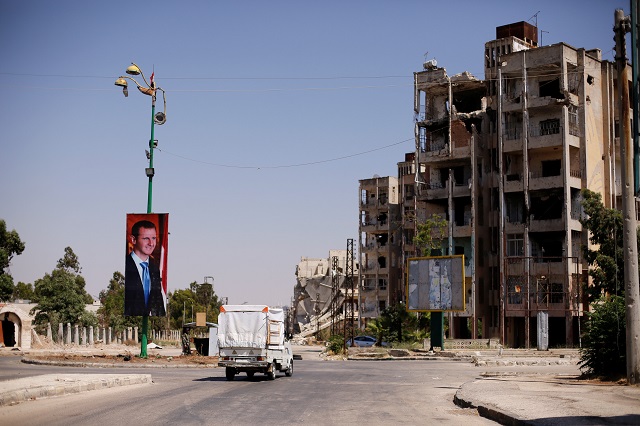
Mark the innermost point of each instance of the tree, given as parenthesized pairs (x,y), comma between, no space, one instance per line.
(57,298)
(69,262)
(605,227)
(603,352)
(197,298)
(6,288)
(430,235)
(10,245)
(604,340)
(111,311)
(23,291)
(61,295)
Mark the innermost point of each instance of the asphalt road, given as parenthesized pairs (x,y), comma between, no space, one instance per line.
(319,393)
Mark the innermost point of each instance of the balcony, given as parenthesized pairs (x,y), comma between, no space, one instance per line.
(547,225)
(512,139)
(538,181)
(547,134)
(513,182)
(463,230)
(437,190)
(462,189)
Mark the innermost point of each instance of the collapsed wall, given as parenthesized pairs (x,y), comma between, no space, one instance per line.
(313,295)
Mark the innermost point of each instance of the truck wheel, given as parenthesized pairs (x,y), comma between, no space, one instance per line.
(289,371)
(272,374)
(230,372)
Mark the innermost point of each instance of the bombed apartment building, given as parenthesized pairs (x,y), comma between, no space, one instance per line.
(380,245)
(503,160)
(319,293)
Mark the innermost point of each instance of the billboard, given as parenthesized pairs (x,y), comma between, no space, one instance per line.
(436,283)
(145,277)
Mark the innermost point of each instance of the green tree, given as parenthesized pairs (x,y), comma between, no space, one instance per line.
(61,295)
(430,234)
(111,311)
(603,351)
(197,298)
(6,288)
(69,262)
(23,291)
(10,245)
(605,227)
(603,338)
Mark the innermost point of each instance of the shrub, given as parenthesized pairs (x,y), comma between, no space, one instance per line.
(335,344)
(603,351)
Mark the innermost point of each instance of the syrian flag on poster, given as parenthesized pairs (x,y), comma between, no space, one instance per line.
(163,256)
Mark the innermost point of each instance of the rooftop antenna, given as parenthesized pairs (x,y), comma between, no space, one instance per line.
(541,36)
(535,16)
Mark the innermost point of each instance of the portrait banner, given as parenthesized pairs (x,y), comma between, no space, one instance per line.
(145,278)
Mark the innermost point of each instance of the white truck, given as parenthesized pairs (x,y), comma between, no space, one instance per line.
(251,339)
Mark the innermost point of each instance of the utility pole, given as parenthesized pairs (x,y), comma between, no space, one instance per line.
(631,282)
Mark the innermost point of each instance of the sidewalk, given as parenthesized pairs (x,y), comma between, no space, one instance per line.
(49,385)
(540,399)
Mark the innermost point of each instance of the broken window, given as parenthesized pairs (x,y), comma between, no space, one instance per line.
(546,205)
(468,101)
(515,290)
(458,175)
(551,168)
(368,284)
(515,208)
(382,262)
(382,239)
(382,283)
(550,88)
(549,127)
(515,245)
(573,121)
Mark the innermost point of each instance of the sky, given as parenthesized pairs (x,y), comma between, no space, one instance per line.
(275,111)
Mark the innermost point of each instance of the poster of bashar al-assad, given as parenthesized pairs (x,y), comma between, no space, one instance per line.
(145,272)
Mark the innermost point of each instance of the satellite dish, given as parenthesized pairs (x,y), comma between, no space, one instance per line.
(376,176)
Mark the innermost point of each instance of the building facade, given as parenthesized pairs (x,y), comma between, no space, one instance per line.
(503,160)
(380,244)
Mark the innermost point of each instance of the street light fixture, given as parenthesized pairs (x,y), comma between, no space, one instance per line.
(156,118)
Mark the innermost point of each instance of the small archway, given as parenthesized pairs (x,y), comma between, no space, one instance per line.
(10,335)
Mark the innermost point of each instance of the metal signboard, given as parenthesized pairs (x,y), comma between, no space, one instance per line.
(436,283)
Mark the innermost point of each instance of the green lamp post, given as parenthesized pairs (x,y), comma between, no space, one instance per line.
(156,118)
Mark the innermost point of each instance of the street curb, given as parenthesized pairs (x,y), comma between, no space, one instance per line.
(491,413)
(70,386)
(81,364)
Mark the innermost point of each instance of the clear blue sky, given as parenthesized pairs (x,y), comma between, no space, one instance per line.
(275,111)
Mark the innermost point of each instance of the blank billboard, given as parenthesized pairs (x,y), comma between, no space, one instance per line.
(435,283)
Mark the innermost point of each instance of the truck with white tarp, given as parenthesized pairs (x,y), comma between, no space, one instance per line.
(251,339)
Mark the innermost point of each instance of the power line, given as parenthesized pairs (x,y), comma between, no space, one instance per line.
(283,166)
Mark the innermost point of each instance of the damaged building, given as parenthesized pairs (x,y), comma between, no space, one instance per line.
(319,292)
(503,161)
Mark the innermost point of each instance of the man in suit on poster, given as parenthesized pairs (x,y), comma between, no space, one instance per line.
(143,283)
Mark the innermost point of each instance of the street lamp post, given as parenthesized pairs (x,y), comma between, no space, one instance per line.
(156,118)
